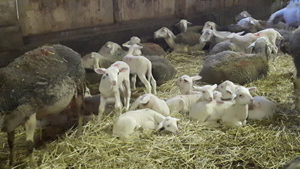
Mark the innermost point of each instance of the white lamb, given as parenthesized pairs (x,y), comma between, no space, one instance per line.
(262,108)
(114,80)
(185,84)
(134,40)
(183,103)
(152,102)
(140,66)
(143,118)
(231,113)
(183,25)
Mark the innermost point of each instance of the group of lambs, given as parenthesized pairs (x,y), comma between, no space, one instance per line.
(227,102)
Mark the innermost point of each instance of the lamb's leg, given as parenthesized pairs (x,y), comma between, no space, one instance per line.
(30,126)
(145,82)
(153,83)
(128,94)
(133,79)
(78,106)
(101,106)
(118,104)
(10,140)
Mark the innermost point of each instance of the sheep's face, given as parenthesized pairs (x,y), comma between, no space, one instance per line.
(243,95)
(209,26)
(109,75)
(217,95)
(184,80)
(163,33)
(206,36)
(227,88)
(261,45)
(169,124)
(207,91)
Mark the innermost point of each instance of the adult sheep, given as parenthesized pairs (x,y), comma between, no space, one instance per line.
(290,15)
(295,52)
(43,81)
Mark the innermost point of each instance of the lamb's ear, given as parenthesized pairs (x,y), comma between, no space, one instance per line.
(100,70)
(252,89)
(176,119)
(252,23)
(126,45)
(194,78)
(189,23)
(250,47)
(214,86)
(145,99)
(123,69)
(170,34)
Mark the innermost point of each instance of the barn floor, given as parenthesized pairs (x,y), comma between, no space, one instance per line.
(265,144)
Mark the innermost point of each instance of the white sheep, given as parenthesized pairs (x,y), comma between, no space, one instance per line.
(183,103)
(140,66)
(92,61)
(153,102)
(143,118)
(134,40)
(272,36)
(261,108)
(114,80)
(110,48)
(183,25)
(209,25)
(185,83)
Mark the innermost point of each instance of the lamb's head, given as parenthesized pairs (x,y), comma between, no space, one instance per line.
(110,47)
(209,25)
(185,83)
(183,24)
(110,74)
(242,15)
(164,33)
(91,61)
(261,45)
(243,95)
(206,36)
(207,91)
(217,95)
(133,48)
(227,88)
(134,40)
(168,124)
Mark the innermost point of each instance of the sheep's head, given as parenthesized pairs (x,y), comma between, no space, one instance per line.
(110,47)
(164,32)
(242,15)
(168,124)
(110,75)
(207,91)
(209,25)
(134,40)
(243,95)
(227,88)
(217,95)
(261,45)
(206,36)
(185,83)
(183,24)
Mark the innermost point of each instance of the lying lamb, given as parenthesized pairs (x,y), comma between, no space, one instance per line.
(185,84)
(182,103)
(152,102)
(143,118)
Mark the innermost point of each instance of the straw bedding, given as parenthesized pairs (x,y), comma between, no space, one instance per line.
(264,144)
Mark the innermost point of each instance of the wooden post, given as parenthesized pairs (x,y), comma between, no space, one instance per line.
(117,11)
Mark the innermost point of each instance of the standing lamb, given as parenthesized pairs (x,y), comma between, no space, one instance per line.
(115,79)
(152,102)
(140,66)
(143,118)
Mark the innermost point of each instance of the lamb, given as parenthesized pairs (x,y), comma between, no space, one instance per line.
(153,102)
(182,103)
(140,66)
(231,113)
(115,79)
(185,83)
(261,108)
(183,25)
(227,88)
(185,41)
(143,118)
(134,40)
(263,46)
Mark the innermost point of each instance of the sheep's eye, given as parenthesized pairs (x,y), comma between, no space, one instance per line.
(118,73)
(203,91)
(168,125)
(240,95)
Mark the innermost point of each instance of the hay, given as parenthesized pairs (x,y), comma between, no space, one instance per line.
(265,144)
